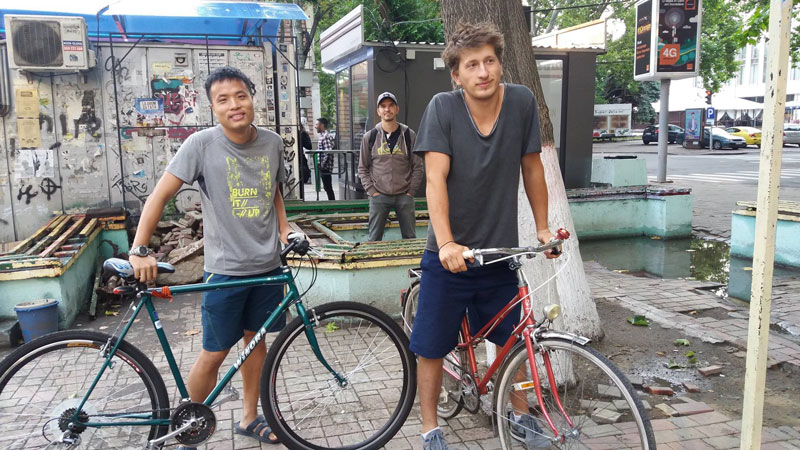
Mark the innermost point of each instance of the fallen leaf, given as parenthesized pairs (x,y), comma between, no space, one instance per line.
(689,354)
(639,321)
(112,313)
(673,365)
(684,342)
(192,332)
(692,313)
(660,353)
(331,327)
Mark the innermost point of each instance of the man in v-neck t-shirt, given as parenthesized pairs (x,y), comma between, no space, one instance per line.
(475,141)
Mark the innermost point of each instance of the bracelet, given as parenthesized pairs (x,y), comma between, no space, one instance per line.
(448,242)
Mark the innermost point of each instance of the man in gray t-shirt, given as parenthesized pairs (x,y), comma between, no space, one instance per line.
(238,168)
(475,141)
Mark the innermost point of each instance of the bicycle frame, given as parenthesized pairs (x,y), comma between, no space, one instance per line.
(524,329)
(146,301)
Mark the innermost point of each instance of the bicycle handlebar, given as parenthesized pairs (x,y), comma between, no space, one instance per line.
(561,236)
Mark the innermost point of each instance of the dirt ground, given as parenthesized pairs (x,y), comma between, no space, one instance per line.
(647,351)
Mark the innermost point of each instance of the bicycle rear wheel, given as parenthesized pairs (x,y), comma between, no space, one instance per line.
(591,389)
(410,307)
(44,381)
(308,409)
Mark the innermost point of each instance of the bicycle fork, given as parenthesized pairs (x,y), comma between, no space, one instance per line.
(312,339)
(527,335)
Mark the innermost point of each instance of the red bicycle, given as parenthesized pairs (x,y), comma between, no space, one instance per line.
(549,388)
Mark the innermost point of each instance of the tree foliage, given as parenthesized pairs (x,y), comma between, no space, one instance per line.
(384,20)
(757,23)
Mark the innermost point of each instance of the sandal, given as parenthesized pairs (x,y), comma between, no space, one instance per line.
(255,431)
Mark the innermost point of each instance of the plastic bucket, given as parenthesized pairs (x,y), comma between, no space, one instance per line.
(37,318)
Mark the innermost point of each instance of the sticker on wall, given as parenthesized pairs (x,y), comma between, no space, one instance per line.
(35,163)
(150,112)
(212,60)
(161,68)
(27,103)
(28,132)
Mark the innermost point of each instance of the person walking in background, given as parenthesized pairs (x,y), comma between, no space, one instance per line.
(325,159)
(305,144)
(389,171)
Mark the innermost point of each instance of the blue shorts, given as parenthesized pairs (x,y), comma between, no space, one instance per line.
(444,298)
(228,312)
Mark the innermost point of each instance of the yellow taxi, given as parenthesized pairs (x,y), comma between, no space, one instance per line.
(751,136)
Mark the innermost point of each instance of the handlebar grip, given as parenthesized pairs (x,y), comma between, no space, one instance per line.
(468,254)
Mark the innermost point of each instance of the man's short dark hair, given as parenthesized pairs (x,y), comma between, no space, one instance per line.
(228,73)
(472,35)
(323,121)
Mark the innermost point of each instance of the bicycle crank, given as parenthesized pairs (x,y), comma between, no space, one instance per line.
(470,397)
(197,422)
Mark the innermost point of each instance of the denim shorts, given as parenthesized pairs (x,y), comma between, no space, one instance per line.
(444,298)
(226,313)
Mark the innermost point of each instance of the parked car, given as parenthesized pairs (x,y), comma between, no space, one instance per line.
(602,135)
(651,134)
(723,139)
(791,133)
(751,136)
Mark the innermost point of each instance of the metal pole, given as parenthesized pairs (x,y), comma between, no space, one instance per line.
(780,19)
(118,129)
(663,131)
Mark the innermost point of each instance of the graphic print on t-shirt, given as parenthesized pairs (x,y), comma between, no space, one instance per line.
(383,149)
(249,201)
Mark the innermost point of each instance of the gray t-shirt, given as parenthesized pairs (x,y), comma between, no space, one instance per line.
(484,170)
(237,184)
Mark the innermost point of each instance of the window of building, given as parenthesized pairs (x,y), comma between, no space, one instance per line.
(755,63)
(741,59)
(344,122)
(794,72)
(360,86)
(551,73)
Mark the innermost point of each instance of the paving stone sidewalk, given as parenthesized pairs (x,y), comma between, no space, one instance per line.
(668,302)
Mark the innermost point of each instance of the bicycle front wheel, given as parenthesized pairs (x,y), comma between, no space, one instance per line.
(308,408)
(43,382)
(591,393)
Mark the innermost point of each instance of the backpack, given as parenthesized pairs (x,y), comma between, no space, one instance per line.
(373,135)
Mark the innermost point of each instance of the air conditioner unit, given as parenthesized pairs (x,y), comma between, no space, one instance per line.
(48,43)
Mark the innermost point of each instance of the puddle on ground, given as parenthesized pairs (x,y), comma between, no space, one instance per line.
(695,259)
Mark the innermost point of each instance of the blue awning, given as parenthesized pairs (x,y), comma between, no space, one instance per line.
(164,19)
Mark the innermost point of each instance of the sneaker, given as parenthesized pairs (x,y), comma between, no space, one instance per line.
(435,441)
(529,432)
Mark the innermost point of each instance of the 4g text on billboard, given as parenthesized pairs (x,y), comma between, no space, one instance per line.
(667,39)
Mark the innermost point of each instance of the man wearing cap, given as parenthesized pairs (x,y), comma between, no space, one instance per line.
(389,171)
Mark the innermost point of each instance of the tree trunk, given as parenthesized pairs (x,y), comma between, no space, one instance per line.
(570,289)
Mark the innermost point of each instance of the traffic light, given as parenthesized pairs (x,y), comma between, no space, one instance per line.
(708,97)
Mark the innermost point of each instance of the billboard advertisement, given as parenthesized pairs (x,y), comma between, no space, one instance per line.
(678,33)
(644,38)
(693,129)
(667,39)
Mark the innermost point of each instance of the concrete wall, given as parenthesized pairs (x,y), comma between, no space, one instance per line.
(85,161)
(667,216)
(787,238)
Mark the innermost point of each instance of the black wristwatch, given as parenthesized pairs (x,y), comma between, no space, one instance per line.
(139,250)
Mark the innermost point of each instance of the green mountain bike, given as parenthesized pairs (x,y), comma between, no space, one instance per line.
(339,375)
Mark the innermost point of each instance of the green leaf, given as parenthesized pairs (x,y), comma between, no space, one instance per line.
(673,365)
(684,342)
(639,321)
(331,327)
(689,354)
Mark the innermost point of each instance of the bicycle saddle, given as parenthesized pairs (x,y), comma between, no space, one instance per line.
(124,269)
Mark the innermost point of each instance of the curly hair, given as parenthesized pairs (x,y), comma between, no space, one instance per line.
(472,35)
(228,73)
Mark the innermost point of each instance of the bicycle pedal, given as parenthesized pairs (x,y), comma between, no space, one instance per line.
(229,393)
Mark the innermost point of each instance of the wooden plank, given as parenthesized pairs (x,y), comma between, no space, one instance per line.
(64,236)
(89,227)
(36,235)
(54,232)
